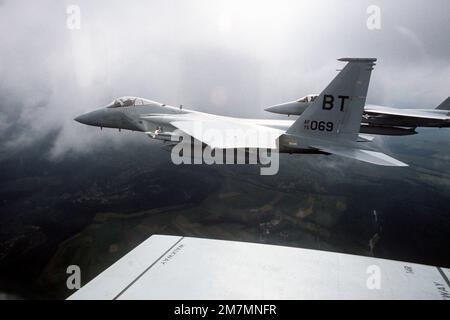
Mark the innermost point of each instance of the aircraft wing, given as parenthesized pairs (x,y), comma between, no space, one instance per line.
(173,267)
(225,132)
(431,114)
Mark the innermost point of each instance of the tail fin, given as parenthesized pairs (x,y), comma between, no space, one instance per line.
(338,110)
(445,105)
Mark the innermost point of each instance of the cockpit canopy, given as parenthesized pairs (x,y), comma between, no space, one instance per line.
(128,101)
(308,98)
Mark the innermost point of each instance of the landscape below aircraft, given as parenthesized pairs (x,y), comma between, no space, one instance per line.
(379,119)
(329,125)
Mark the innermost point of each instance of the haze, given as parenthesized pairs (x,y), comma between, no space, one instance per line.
(226,57)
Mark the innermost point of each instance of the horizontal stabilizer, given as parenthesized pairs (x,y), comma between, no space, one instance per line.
(369,156)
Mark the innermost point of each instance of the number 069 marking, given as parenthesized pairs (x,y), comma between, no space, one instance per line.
(321,126)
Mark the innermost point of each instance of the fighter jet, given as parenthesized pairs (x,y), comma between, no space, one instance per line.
(329,125)
(379,119)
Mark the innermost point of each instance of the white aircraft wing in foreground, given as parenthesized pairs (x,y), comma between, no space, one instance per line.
(172,267)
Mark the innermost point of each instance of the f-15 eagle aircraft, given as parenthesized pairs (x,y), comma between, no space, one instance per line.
(379,119)
(330,125)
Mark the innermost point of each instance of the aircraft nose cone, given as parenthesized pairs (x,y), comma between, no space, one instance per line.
(90,118)
(96,118)
(81,119)
(271,109)
(278,108)
(288,108)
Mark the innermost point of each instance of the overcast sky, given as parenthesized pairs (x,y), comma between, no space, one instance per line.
(227,57)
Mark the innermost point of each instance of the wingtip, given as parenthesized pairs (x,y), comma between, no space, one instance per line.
(401,164)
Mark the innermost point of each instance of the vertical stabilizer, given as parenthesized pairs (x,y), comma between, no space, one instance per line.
(337,112)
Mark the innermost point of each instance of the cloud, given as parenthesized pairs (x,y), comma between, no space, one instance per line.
(411,37)
(224,57)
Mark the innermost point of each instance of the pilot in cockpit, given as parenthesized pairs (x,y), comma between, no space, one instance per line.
(308,98)
(128,102)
